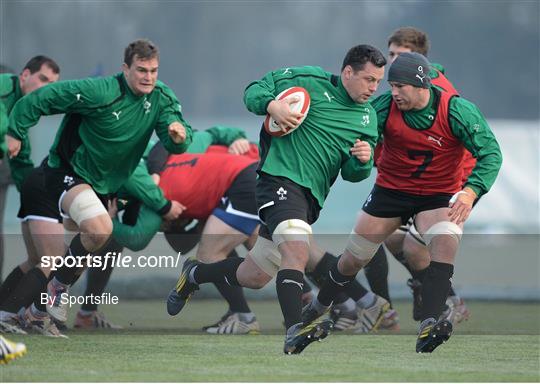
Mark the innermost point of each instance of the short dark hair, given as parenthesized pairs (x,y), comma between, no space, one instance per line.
(144,49)
(358,56)
(36,62)
(412,38)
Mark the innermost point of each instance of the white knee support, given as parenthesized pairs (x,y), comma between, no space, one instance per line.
(86,205)
(360,247)
(292,230)
(443,228)
(266,255)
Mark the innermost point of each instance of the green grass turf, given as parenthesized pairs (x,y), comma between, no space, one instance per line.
(500,342)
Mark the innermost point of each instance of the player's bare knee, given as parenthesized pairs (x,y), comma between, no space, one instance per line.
(93,241)
(294,255)
(256,282)
(96,232)
(250,276)
(351,264)
(361,249)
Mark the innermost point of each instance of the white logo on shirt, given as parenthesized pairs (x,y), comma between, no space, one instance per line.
(286,71)
(438,141)
(68,180)
(146,106)
(117,115)
(329,97)
(78,95)
(282,192)
(365,120)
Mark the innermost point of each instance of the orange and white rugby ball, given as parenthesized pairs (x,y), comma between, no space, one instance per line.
(302,106)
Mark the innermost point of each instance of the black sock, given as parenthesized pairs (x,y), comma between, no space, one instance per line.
(96,281)
(319,275)
(435,289)
(377,274)
(399,256)
(29,289)
(9,284)
(98,278)
(221,272)
(418,275)
(289,293)
(355,290)
(66,275)
(414,274)
(77,276)
(335,283)
(340,298)
(234,295)
(306,288)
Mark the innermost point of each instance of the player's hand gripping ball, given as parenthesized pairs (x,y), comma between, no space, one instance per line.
(300,106)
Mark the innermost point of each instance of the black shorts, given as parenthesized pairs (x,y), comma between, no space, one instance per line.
(36,202)
(241,193)
(60,180)
(280,199)
(384,202)
(237,207)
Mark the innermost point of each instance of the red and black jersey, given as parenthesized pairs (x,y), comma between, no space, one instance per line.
(421,162)
(469,161)
(188,175)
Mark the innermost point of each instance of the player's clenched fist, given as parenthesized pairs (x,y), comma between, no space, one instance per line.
(177,132)
(361,150)
(14,146)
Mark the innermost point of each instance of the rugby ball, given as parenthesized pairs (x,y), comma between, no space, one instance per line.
(302,106)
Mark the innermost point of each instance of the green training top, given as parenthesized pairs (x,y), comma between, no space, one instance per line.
(467,124)
(313,155)
(3,129)
(435,69)
(10,93)
(106,127)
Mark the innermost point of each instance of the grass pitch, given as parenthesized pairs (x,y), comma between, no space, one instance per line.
(501,342)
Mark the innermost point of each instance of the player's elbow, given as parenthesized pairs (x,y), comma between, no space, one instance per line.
(355,177)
